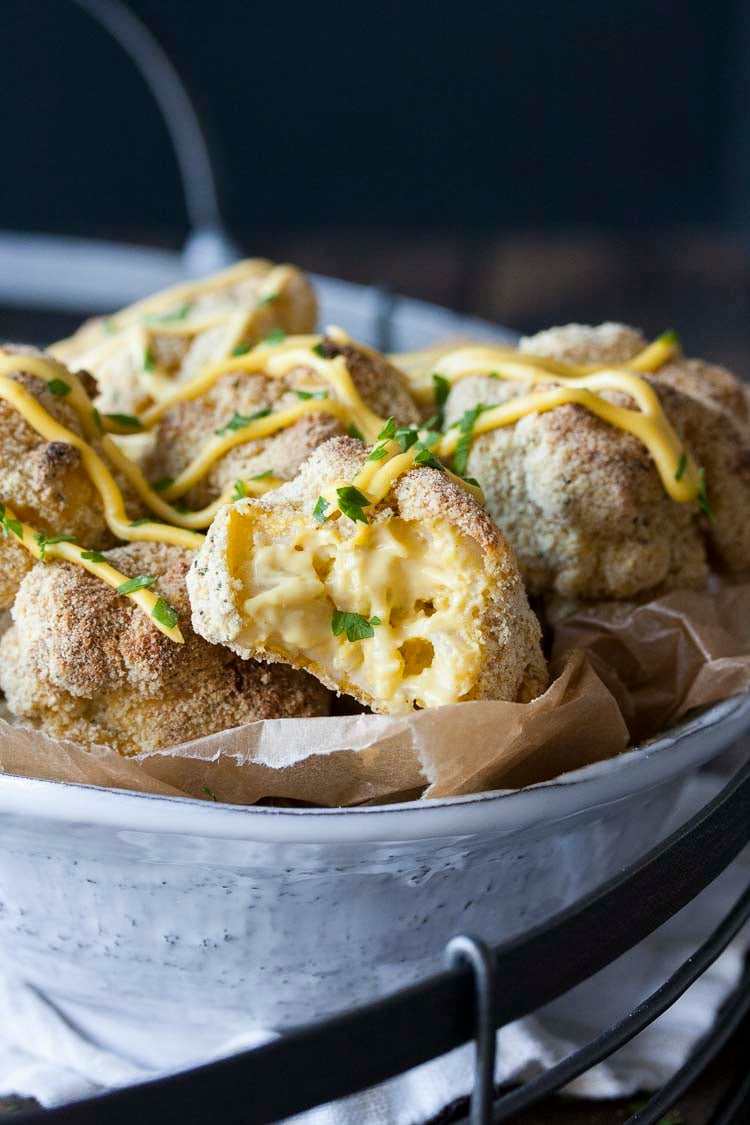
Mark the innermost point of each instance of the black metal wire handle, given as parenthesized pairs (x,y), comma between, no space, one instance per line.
(365,1046)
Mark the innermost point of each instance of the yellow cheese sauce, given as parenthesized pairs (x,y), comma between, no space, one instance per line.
(576,384)
(424,584)
(39,546)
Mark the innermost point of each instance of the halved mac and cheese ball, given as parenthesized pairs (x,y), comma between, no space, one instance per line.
(582,501)
(84,663)
(138,354)
(410,602)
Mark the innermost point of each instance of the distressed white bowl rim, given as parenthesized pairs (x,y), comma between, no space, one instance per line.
(679,751)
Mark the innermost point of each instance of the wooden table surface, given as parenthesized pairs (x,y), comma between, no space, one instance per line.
(696,282)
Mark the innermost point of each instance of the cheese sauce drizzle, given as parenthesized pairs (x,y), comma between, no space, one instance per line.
(171,313)
(36,544)
(578,384)
(679,474)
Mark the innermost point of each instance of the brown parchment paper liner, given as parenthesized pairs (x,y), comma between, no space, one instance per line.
(621,672)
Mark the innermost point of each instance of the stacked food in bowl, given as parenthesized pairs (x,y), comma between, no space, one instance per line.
(218,520)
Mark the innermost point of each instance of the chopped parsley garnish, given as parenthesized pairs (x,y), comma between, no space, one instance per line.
(355,432)
(127,421)
(140,522)
(669,337)
(239,421)
(703,501)
(442,389)
(9,524)
(267,300)
(209,793)
(45,541)
(165,614)
(241,349)
(264,475)
(240,490)
(276,337)
(93,556)
(305,395)
(351,503)
(140,582)
(681,466)
(59,388)
(356,627)
(97,420)
(406,436)
(319,511)
(321,350)
(163,484)
(174,314)
(388,431)
(472,480)
(378,453)
(427,457)
(149,363)
(463,445)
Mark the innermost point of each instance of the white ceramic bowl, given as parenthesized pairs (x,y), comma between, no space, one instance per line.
(152,905)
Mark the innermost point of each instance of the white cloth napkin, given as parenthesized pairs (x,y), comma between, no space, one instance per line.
(57,1055)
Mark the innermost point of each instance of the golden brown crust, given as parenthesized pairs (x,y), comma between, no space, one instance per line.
(85,663)
(507,633)
(582,502)
(44,482)
(185,428)
(118,366)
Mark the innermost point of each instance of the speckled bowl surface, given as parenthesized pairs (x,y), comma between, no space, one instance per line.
(153,906)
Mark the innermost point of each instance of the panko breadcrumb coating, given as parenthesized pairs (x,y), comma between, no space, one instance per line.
(445,612)
(582,502)
(83,663)
(188,425)
(121,349)
(43,482)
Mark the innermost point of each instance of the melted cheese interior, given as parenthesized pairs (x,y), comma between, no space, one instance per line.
(423,580)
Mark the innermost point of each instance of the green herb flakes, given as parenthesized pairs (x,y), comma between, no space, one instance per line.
(463,446)
(140,582)
(352,502)
(165,614)
(239,421)
(681,466)
(45,541)
(703,501)
(319,511)
(356,627)
(127,421)
(59,388)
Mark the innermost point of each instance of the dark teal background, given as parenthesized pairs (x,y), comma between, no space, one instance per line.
(479,115)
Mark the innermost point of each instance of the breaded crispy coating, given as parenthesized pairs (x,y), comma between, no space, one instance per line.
(136,354)
(83,663)
(188,425)
(425,596)
(44,482)
(582,502)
